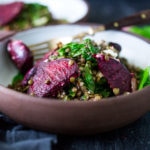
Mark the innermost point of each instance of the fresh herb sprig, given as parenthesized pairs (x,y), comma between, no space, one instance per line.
(86,49)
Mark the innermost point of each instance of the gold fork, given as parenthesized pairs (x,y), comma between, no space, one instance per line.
(39,49)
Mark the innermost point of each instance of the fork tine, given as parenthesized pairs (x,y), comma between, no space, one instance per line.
(40,52)
(35,50)
(39,49)
(39,46)
(36,58)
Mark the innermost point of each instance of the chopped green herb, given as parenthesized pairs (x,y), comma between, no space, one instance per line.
(86,49)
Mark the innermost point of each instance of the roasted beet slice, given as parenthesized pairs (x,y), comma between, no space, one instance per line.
(9,11)
(48,78)
(20,55)
(28,75)
(32,71)
(116,73)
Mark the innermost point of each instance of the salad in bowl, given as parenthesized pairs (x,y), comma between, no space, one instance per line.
(81,70)
(94,85)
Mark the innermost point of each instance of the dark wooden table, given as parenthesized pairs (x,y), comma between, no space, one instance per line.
(135,136)
(103,11)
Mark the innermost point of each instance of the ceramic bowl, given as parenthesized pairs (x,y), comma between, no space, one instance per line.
(62,10)
(75,117)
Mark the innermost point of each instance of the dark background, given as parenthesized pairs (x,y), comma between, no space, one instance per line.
(103,11)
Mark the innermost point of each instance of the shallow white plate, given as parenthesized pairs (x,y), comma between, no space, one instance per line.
(70,10)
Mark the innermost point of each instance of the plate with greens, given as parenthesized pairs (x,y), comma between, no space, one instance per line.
(80,87)
(25,14)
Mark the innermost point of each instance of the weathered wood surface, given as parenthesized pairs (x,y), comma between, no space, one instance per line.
(135,136)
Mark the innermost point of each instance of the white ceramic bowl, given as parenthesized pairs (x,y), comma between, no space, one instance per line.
(70,10)
(75,117)
(136,50)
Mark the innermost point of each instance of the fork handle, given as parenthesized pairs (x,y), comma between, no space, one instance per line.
(142,17)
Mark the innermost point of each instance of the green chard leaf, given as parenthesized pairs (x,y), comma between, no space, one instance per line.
(88,78)
(75,49)
(91,48)
(85,49)
(17,78)
(144,78)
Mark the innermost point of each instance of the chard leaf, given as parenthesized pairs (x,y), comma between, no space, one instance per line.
(144,78)
(17,78)
(91,48)
(85,49)
(88,78)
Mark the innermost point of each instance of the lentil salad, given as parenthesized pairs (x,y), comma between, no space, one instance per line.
(83,70)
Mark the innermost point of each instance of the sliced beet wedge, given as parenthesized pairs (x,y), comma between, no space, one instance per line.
(20,55)
(10,11)
(116,73)
(48,78)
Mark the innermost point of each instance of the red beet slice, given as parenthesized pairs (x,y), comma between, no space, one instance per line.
(9,11)
(28,75)
(50,77)
(20,55)
(116,73)
(32,71)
